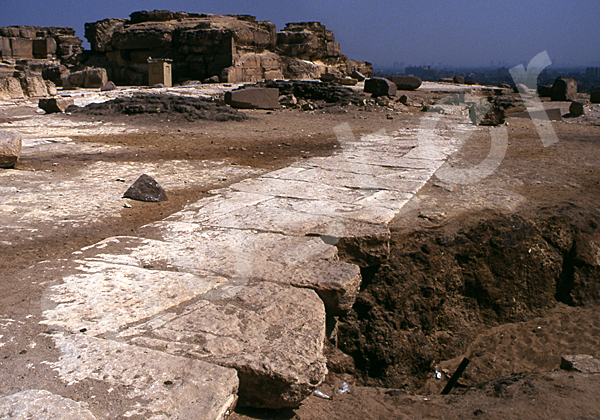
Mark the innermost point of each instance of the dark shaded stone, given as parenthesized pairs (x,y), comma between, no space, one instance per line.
(406,82)
(108,86)
(145,188)
(316,91)
(446,80)
(544,91)
(212,79)
(403,99)
(564,89)
(595,97)
(459,79)
(253,98)
(576,109)
(52,105)
(378,86)
(358,76)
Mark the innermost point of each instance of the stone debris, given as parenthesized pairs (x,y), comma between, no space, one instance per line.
(145,188)
(564,89)
(379,86)
(42,405)
(253,98)
(583,363)
(576,109)
(316,91)
(108,86)
(52,105)
(10,148)
(406,82)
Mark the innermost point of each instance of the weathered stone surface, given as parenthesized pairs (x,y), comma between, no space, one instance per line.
(406,82)
(42,405)
(583,363)
(378,86)
(160,383)
(253,98)
(44,48)
(595,97)
(10,88)
(34,87)
(108,86)
(52,105)
(459,79)
(358,76)
(55,73)
(307,40)
(271,334)
(88,78)
(145,188)
(576,109)
(235,48)
(21,48)
(10,148)
(564,89)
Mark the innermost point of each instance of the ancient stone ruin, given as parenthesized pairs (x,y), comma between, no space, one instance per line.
(234,48)
(29,51)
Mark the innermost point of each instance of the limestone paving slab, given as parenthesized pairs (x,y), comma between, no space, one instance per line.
(272,334)
(158,385)
(212,255)
(40,404)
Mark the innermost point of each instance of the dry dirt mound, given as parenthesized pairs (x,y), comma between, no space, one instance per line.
(440,289)
(166,106)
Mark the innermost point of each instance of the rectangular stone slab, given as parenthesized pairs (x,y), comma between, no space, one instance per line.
(156,382)
(242,255)
(272,334)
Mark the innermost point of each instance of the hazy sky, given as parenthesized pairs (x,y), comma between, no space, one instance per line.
(458,32)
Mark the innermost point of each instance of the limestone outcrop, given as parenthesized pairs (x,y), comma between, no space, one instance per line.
(235,48)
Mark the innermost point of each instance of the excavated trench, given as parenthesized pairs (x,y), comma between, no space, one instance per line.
(440,288)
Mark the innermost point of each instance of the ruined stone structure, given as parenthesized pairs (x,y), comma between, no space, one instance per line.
(236,48)
(27,52)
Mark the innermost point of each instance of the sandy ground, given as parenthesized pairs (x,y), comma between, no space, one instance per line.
(65,193)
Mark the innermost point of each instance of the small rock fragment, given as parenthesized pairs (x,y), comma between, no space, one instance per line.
(145,188)
(576,109)
(108,86)
(583,363)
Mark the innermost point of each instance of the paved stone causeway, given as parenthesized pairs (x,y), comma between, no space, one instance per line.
(226,301)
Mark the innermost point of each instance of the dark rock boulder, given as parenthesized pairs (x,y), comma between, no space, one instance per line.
(54,105)
(406,82)
(145,188)
(544,91)
(379,86)
(459,79)
(576,109)
(595,97)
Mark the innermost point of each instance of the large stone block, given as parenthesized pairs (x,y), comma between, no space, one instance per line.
(42,405)
(34,87)
(5,50)
(564,89)
(52,105)
(21,48)
(10,88)
(595,97)
(378,86)
(10,148)
(45,47)
(253,98)
(406,82)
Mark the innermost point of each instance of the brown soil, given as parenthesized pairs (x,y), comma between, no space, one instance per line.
(474,270)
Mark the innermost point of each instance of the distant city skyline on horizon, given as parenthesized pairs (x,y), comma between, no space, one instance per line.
(457,35)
